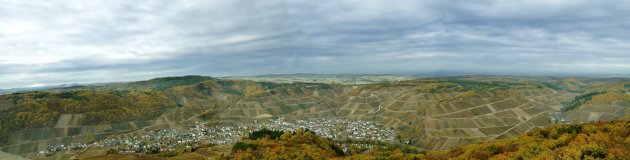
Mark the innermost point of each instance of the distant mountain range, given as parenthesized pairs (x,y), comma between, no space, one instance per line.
(25,89)
(46,87)
(313,77)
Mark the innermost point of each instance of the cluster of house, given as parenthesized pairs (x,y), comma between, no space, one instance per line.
(63,147)
(557,118)
(334,128)
(201,134)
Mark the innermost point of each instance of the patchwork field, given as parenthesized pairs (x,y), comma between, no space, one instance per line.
(432,113)
(441,125)
(593,113)
(68,130)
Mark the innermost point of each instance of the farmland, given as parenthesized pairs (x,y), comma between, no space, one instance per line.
(438,113)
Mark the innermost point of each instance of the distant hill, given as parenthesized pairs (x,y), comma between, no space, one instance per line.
(325,78)
(26,89)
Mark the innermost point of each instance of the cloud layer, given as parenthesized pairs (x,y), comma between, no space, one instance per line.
(55,42)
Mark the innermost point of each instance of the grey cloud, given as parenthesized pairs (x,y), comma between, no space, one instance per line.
(55,42)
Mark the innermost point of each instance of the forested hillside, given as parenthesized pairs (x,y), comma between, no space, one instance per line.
(99,106)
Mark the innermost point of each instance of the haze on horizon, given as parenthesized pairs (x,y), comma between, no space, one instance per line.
(57,42)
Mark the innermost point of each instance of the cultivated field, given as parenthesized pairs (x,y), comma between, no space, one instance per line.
(435,114)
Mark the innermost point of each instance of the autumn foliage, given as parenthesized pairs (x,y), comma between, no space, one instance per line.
(606,140)
(301,144)
(99,106)
(601,140)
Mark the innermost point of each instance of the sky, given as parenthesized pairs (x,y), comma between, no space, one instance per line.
(48,42)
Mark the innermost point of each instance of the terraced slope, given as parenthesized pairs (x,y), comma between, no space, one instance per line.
(442,120)
(432,113)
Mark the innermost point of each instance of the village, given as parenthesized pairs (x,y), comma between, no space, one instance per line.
(199,134)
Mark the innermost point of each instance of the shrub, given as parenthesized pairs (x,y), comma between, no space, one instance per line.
(264,133)
(243,146)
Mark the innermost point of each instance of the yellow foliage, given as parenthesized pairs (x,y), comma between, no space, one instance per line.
(505,93)
(427,87)
(578,141)
(467,94)
(254,91)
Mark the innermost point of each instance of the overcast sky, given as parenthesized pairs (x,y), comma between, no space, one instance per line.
(59,42)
